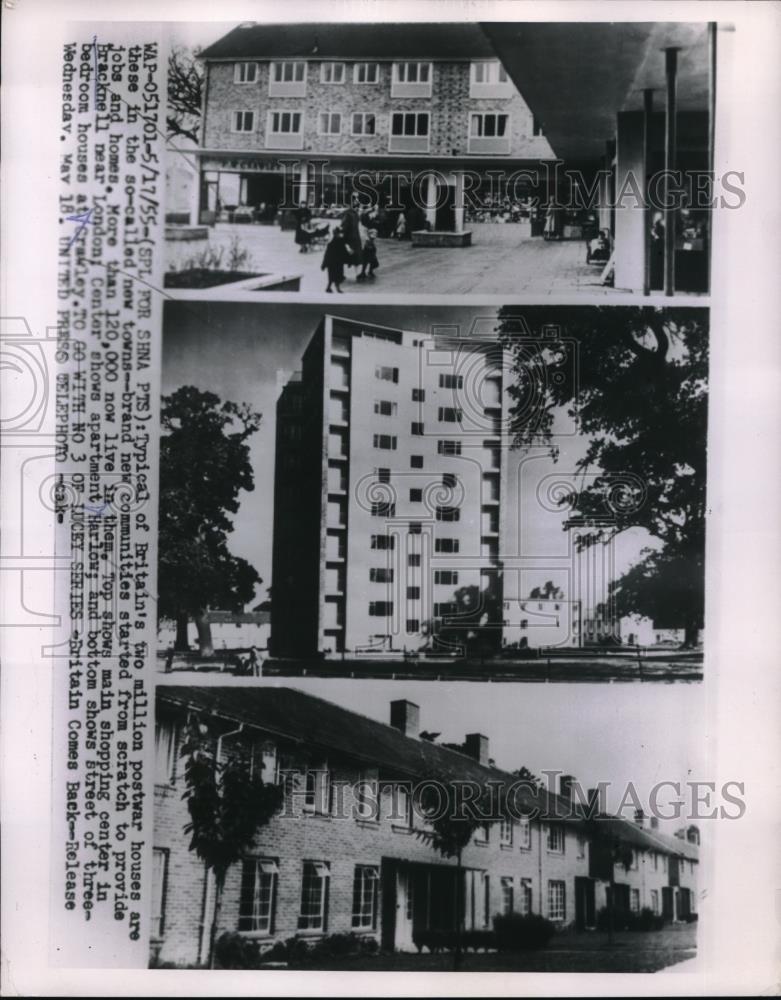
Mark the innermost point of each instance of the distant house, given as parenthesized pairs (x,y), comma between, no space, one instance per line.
(342,856)
(230,629)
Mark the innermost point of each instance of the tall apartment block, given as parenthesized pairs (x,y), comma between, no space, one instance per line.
(388,490)
(319,104)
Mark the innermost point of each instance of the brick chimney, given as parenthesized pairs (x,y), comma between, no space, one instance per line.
(654,823)
(595,803)
(405,716)
(476,746)
(639,818)
(566,781)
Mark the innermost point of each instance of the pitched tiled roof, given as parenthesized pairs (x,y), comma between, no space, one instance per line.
(353,41)
(306,719)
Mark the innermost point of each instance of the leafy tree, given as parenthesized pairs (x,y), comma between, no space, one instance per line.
(204,466)
(452,819)
(474,625)
(228,803)
(185,91)
(635,380)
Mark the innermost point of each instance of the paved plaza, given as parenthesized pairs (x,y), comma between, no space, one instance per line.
(503,260)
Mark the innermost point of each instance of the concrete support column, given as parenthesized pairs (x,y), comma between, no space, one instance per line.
(195,194)
(629,243)
(301,187)
(431,200)
(648,107)
(458,209)
(670,143)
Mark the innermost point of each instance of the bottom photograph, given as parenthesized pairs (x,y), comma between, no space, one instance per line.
(380,826)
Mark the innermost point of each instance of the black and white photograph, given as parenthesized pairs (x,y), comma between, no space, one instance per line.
(442,158)
(447,492)
(389,551)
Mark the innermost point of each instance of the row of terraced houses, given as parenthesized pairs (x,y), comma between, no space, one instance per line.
(343,855)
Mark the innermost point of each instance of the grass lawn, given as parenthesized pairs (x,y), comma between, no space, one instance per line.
(567,952)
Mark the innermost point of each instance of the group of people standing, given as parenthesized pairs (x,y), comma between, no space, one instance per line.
(352,244)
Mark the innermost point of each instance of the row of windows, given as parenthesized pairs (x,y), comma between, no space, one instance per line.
(449,479)
(388,542)
(296,71)
(384,574)
(417,124)
(390,442)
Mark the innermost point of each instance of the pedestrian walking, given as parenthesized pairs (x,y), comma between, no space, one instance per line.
(336,255)
(370,260)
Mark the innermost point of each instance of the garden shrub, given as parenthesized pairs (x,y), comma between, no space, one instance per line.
(522,932)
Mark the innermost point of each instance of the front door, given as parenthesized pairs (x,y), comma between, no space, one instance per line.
(668,909)
(405,908)
(585,906)
(445,214)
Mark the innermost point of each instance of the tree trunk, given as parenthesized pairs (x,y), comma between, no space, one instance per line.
(219,883)
(181,645)
(206,647)
(459,914)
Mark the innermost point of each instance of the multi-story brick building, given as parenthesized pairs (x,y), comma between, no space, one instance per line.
(388,489)
(409,107)
(343,855)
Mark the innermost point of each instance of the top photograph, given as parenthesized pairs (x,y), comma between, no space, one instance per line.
(450,158)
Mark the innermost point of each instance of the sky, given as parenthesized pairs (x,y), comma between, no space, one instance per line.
(246,351)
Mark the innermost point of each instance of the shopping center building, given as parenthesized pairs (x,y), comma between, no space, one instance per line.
(403,114)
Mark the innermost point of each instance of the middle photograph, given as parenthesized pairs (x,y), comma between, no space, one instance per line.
(406,492)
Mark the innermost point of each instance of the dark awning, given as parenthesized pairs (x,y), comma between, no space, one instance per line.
(575,77)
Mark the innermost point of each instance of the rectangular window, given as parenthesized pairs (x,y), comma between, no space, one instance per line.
(446,545)
(413,593)
(450,480)
(450,414)
(525,901)
(413,559)
(416,429)
(418,395)
(159,886)
(365,892)
(481,834)
(506,832)
(258,895)
(387,442)
(317,789)
(383,510)
(245,72)
(288,72)
(416,496)
(383,475)
(409,123)
(383,541)
(380,609)
(414,527)
(507,895)
(385,407)
(581,846)
(314,896)
(413,625)
(634,900)
(635,857)
(449,447)
(655,900)
(555,839)
(243,121)
(364,123)
(367,797)
(416,461)
(366,72)
(285,122)
(443,608)
(556,900)
(488,71)
(165,753)
(488,126)
(448,577)
(524,834)
(448,514)
(412,72)
(330,123)
(451,381)
(381,574)
(332,72)
(386,373)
